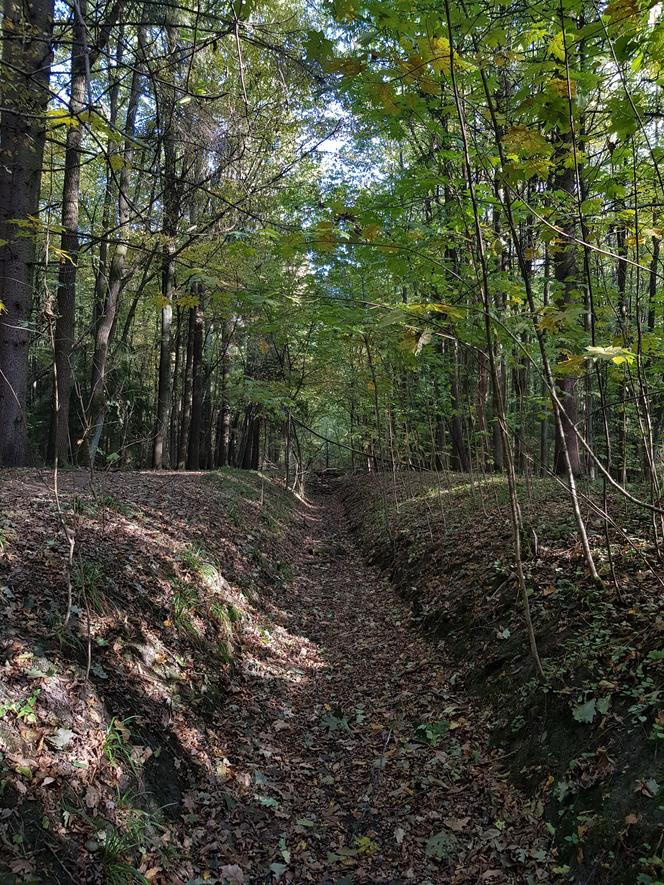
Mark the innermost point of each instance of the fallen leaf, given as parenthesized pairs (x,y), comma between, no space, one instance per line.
(61,738)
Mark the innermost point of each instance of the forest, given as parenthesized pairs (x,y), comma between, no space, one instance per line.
(331,441)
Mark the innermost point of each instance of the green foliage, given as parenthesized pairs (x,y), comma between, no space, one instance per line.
(117,743)
(24,710)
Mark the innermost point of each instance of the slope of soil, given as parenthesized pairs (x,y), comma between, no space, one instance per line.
(588,741)
(258,706)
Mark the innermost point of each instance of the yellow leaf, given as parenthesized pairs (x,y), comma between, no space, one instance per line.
(550,319)
(384,94)
(557,46)
(62,118)
(617,355)
(415,67)
(187,301)
(116,162)
(325,236)
(349,67)
(440,60)
(370,232)
(2,307)
(622,13)
(160,301)
(343,10)
(559,86)
(572,366)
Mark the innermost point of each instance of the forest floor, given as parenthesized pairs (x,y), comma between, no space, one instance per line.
(259,704)
(587,740)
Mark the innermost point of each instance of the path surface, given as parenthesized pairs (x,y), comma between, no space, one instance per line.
(339,748)
(360,761)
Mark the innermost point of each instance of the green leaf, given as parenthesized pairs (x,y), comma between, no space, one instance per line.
(603,705)
(99,671)
(441,845)
(585,712)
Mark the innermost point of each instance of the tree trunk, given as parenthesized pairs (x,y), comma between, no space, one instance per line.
(194,453)
(205,461)
(177,396)
(224,425)
(106,321)
(566,274)
(164,386)
(460,461)
(169,230)
(186,394)
(58,445)
(26,62)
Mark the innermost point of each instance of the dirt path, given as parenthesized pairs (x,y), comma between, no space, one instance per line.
(314,737)
(360,761)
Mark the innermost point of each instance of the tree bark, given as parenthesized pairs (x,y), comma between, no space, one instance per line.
(224,419)
(169,230)
(58,446)
(106,321)
(26,62)
(566,274)
(194,452)
(186,394)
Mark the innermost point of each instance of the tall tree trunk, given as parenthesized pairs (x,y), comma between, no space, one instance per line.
(194,453)
(566,274)
(164,386)
(205,448)
(169,230)
(224,420)
(58,444)
(186,393)
(460,460)
(652,282)
(177,396)
(26,63)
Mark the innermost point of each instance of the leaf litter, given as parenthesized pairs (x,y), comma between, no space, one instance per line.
(259,707)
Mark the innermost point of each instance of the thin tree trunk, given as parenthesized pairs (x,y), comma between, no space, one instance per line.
(186,394)
(224,427)
(58,446)
(106,321)
(169,229)
(194,451)
(566,273)
(177,397)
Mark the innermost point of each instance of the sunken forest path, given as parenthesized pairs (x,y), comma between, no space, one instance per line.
(334,745)
(372,766)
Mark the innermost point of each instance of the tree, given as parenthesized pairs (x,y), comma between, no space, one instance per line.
(26,62)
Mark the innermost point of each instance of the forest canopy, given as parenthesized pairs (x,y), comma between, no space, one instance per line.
(376,233)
